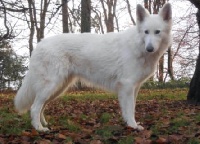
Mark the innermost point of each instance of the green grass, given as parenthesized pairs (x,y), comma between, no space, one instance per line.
(194,141)
(104,132)
(163,94)
(177,123)
(83,117)
(11,123)
(105,117)
(197,118)
(108,131)
(181,83)
(68,124)
(126,140)
(84,96)
(68,140)
(144,94)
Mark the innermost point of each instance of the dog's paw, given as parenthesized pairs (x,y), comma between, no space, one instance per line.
(43,129)
(45,123)
(40,128)
(139,127)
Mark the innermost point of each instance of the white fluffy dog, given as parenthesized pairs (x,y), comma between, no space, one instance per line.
(120,62)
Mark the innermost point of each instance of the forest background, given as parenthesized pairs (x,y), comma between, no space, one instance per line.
(25,23)
(94,116)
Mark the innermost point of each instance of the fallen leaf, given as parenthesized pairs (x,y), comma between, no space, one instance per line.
(161,140)
(147,134)
(44,141)
(138,140)
(96,142)
(34,132)
(61,136)
(25,133)
(173,138)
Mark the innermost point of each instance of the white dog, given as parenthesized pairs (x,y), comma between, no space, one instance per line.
(120,62)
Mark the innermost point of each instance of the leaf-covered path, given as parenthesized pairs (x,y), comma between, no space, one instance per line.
(84,120)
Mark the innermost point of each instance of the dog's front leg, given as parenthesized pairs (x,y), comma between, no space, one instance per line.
(127,98)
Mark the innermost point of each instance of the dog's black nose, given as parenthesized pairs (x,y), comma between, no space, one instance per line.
(150,48)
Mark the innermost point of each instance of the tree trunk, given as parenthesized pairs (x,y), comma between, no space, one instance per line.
(109,14)
(170,66)
(85,15)
(34,23)
(32,28)
(42,19)
(161,69)
(65,16)
(85,23)
(147,5)
(156,5)
(39,25)
(194,91)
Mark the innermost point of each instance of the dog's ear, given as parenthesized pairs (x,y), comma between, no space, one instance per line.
(166,12)
(141,13)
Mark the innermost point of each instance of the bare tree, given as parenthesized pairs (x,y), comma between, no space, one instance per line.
(85,15)
(96,22)
(65,16)
(31,26)
(36,23)
(185,43)
(39,24)
(170,66)
(109,13)
(156,5)
(129,12)
(43,9)
(194,91)
(147,5)
(5,8)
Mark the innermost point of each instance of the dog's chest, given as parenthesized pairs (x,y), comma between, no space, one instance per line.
(146,68)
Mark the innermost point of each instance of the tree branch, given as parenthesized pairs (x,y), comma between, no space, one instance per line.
(14,10)
(129,11)
(5,36)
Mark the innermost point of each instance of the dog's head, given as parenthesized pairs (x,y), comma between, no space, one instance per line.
(154,29)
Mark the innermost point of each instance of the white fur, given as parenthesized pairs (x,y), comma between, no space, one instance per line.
(115,61)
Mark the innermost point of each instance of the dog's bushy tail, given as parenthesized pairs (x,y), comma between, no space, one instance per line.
(25,96)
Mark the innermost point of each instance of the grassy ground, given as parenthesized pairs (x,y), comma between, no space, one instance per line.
(94,118)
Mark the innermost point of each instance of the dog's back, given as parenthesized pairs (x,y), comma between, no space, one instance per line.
(99,59)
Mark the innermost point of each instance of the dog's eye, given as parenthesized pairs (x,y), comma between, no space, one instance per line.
(157,31)
(146,32)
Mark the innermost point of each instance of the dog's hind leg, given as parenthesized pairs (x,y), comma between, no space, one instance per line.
(36,110)
(48,91)
(53,96)
(42,118)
